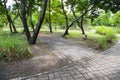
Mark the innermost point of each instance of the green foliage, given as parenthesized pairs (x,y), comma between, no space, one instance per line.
(103,19)
(107,19)
(116,19)
(3,20)
(13,47)
(112,5)
(74,34)
(108,32)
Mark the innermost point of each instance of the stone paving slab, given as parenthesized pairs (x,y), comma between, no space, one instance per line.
(86,64)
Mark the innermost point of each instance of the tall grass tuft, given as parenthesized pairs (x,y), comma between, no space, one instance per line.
(13,47)
(102,43)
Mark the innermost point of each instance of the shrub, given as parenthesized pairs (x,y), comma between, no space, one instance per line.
(108,32)
(13,47)
(104,30)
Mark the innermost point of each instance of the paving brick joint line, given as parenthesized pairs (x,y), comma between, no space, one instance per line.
(86,65)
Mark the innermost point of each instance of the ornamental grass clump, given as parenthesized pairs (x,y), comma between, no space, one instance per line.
(13,47)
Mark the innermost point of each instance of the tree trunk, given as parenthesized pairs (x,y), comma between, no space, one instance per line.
(10,28)
(24,21)
(66,18)
(14,28)
(31,22)
(73,23)
(32,39)
(11,24)
(77,19)
(19,14)
(18,10)
(83,32)
(50,25)
(66,31)
(80,25)
(43,12)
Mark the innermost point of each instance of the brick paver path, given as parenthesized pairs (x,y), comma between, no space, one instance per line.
(85,64)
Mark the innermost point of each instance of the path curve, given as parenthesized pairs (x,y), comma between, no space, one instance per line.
(85,63)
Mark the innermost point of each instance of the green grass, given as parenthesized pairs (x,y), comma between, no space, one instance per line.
(93,36)
(13,46)
(74,34)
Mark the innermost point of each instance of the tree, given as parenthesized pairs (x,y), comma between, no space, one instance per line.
(87,9)
(112,5)
(56,14)
(103,18)
(3,18)
(50,26)
(32,39)
(6,12)
(64,12)
(106,5)
(80,24)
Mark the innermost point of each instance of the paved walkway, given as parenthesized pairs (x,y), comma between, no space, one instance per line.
(85,64)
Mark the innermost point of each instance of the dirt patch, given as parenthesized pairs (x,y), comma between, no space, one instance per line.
(43,60)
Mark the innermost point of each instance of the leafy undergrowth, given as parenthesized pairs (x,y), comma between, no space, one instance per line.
(13,47)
